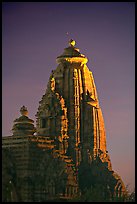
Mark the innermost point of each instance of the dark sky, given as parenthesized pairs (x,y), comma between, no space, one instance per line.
(34,34)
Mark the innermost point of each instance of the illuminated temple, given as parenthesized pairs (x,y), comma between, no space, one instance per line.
(66,152)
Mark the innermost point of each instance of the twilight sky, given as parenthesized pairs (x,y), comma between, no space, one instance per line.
(34,34)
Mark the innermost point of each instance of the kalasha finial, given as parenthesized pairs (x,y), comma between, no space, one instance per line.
(24,111)
(72,43)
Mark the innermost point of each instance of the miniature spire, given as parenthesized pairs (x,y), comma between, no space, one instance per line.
(23,125)
(24,111)
(72,43)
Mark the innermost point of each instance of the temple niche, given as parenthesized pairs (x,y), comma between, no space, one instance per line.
(66,152)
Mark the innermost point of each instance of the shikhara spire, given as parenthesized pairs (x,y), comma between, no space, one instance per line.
(78,127)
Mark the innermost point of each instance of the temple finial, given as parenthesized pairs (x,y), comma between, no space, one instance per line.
(72,43)
(24,111)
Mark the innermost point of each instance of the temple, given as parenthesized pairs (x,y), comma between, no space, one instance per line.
(66,152)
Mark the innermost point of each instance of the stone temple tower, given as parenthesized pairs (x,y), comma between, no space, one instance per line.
(69,113)
(66,152)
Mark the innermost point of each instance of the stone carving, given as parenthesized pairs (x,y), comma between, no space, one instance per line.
(52,84)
